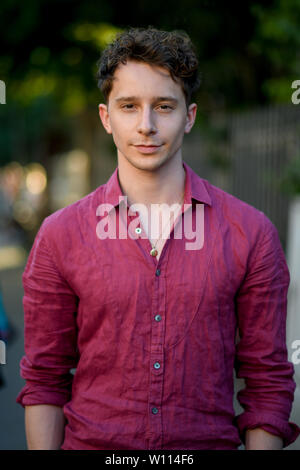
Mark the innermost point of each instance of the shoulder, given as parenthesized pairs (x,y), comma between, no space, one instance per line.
(243,224)
(69,221)
(234,211)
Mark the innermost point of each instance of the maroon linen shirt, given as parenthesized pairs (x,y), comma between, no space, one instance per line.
(154,343)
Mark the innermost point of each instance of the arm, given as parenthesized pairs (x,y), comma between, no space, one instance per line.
(50,308)
(258,439)
(44,426)
(261,353)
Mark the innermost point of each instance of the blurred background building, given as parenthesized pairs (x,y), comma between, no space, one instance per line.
(53,149)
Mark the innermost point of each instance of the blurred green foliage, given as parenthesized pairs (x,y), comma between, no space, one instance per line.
(289,183)
(277,41)
(248,54)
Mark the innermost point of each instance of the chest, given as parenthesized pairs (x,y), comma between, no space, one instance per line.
(122,289)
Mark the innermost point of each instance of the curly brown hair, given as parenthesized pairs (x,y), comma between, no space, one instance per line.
(172,50)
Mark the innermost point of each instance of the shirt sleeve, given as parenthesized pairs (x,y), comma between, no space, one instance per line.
(50,334)
(261,353)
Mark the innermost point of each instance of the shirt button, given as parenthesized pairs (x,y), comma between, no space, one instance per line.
(157,318)
(157,272)
(138,230)
(154,411)
(157,365)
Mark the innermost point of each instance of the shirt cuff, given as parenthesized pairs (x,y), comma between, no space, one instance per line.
(288,431)
(38,396)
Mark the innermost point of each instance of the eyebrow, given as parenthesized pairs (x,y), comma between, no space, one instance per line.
(156,99)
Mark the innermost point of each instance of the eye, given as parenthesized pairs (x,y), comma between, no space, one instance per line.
(165,107)
(128,106)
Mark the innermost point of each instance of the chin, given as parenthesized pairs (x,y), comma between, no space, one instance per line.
(149,162)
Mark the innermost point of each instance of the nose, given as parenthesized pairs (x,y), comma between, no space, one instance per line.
(146,125)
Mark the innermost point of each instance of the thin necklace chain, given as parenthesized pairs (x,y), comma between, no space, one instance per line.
(154,245)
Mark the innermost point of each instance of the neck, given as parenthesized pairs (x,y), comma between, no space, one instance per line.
(163,185)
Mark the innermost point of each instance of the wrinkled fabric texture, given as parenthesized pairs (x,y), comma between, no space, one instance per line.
(167,382)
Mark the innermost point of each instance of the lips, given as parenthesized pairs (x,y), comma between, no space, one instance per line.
(147,148)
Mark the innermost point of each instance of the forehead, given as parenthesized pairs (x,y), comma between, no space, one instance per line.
(144,80)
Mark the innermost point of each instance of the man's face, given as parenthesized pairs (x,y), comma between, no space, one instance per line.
(146,115)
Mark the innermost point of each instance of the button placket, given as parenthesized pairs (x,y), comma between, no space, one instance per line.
(157,363)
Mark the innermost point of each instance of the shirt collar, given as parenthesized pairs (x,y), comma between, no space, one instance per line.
(194,188)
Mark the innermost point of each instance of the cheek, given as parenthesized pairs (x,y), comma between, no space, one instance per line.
(120,130)
(174,129)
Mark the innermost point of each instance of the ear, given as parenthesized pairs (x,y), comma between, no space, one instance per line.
(104,116)
(190,118)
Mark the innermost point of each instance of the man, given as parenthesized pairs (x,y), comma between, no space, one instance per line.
(149,322)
